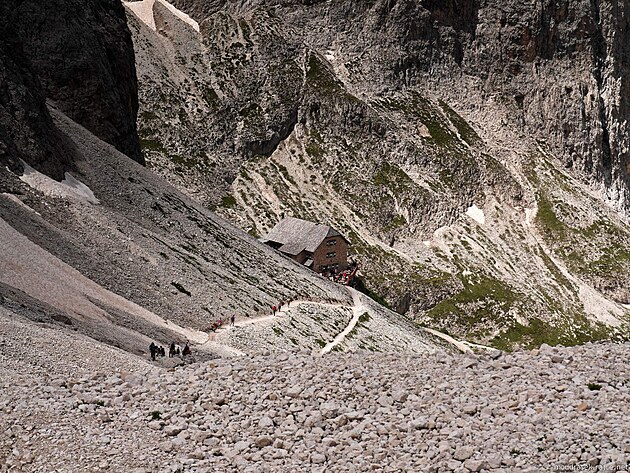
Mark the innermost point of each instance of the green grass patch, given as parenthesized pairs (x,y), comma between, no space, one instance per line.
(468,134)
(314,149)
(318,74)
(147,144)
(547,219)
(361,287)
(575,330)
(228,201)
(394,178)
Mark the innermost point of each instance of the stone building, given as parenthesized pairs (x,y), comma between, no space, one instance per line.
(317,246)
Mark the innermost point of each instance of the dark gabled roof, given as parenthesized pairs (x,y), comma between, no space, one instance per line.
(296,235)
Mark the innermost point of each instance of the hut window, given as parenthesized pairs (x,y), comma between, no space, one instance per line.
(331,242)
(332,254)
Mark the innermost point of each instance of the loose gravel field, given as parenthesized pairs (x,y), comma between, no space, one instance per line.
(553,409)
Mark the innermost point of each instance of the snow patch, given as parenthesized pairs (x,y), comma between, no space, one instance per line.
(529,216)
(330,55)
(144,11)
(69,188)
(476,214)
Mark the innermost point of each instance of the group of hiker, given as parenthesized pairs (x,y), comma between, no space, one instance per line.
(173,350)
(176,350)
(217,324)
(276,308)
(344,277)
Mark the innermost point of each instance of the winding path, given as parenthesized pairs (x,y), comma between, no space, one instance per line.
(357,310)
(265,318)
(212,342)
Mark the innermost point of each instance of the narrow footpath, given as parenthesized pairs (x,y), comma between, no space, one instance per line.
(214,341)
(358,309)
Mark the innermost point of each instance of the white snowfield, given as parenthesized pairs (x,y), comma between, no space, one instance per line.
(144,11)
(476,214)
(70,187)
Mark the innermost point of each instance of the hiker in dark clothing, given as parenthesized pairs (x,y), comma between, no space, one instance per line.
(171,350)
(153,349)
(162,352)
(232,320)
(186,350)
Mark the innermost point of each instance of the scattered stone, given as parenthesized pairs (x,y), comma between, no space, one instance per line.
(495,354)
(448,419)
(265,421)
(463,453)
(263,441)
(475,465)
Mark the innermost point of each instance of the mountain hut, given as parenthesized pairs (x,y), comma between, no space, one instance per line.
(317,246)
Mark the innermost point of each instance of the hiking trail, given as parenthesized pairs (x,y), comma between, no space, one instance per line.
(357,310)
(216,340)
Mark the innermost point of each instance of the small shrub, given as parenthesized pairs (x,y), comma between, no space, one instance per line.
(156,415)
(594,386)
(228,201)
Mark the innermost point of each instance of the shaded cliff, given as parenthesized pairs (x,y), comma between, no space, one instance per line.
(79,55)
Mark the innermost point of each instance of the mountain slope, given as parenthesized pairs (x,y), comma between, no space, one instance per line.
(159,266)
(480,178)
(95,243)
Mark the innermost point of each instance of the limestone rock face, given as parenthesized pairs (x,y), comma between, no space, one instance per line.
(462,147)
(559,67)
(81,54)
